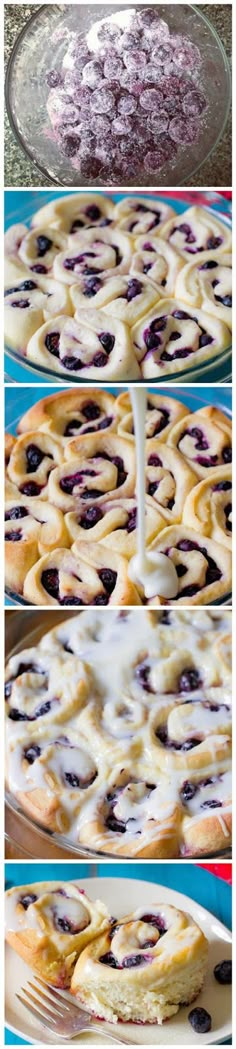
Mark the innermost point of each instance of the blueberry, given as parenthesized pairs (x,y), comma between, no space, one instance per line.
(16,513)
(117,826)
(181,315)
(211,265)
(43,244)
(44,709)
(152,341)
(223,972)
(132,521)
(188,790)
(101,599)
(13,537)
(31,753)
(211,804)
(227,454)
(100,360)
(70,145)
(34,457)
(152,487)
(200,1020)
(17,715)
(74,424)
(165,619)
(142,672)
(91,410)
(109,959)
(54,78)
(27,900)
(132,962)
(156,920)
(108,579)
(134,288)
(107,341)
(189,680)
(213,242)
(154,460)
(52,343)
(63,924)
(91,517)
(38,268)
(190,743)
(92,286)
(93,212)
(30,488)
(21,304)
(205,340)
(227,300)
(50,582)
(72,363)
(71,601)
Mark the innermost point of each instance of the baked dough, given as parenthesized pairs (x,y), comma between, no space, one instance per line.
(206,445)
(167,480)
(88,574)
(203,566)
(94,466)
(49,923)
(144,967)
(92,346)
(161,415)
(123,297)
(208,507)
(170,333)
(32,528)
(33,457)
(71,413)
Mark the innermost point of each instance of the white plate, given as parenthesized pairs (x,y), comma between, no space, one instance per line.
(122,896)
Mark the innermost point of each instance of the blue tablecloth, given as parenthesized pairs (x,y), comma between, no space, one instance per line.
(200,885)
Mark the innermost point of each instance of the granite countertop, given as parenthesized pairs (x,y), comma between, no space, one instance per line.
(19,171)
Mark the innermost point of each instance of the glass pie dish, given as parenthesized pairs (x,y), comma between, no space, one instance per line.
(218,368)
(27,91)
(24,837)
(194,399)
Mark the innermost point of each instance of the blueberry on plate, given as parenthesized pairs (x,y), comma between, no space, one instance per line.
(200,1020)
(223,972)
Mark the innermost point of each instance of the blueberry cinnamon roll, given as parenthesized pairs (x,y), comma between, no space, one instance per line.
(39,695)
(207,283)
(197,231)
(207,812)
(32,528)
(93,252)
(33,457)
(192,735)
(95,467)
(174,332)
(204,438)
(208,507)
(28,304)
(86,575)
(72,413)
(166,481)
(147,964)
(141,215)
(161,415)
(49,923)
(203,566)
(34,249)
(114,523)
(124,297)
(135,815)
(76,212)
(158,263)
(92,346)
(52,779)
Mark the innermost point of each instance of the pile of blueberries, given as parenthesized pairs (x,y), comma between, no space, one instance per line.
(128,106)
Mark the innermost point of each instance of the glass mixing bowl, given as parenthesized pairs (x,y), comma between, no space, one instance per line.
(194,400)
(27,91)
(24,838)
(217,369)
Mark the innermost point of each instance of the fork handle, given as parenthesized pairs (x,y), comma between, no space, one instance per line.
(113,1037)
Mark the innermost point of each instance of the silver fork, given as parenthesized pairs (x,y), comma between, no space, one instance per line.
(58,1013)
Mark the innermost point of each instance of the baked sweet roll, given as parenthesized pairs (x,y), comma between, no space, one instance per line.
(92,345)
(144,968)
(161,415)
(28,304)
(125,297)
(204,439)
(53,779)
(31,530)
(40,695)
(171,333)
(95,466)
(35,250)
(195,231)
(195,734)
(157,262)
(91,253)
(203,566)
(88,574)
(72,413)
(75,212)
(141,215)
(207,812)
(49,923)
(208,507)
(167,483)
(135,815)
(114,522)
(207,283)
(33,457)
(114,725)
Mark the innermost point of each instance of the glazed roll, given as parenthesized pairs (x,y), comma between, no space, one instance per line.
(196,231)
(203,566)
(207,284)
(190,735)
(141,215)
(72,413)
(205,441)
(33,457)
(76,212)
(39,695)
(48,924)
(52,779)
(134,815)
(104,251)
(208,507)
(124,297)
(28,305)
(30,531)
(166,481)
(171,334)
(144,967)
(86,575)
(92,470)
(207,812)
(114,522)
(161,415)
(157,262)
(92,346)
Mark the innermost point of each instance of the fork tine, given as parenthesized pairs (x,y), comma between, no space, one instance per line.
(55,993)
(35,1013)
(47,1011)
(59,1012)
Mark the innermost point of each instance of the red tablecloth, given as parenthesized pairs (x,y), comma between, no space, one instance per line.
(221,870)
